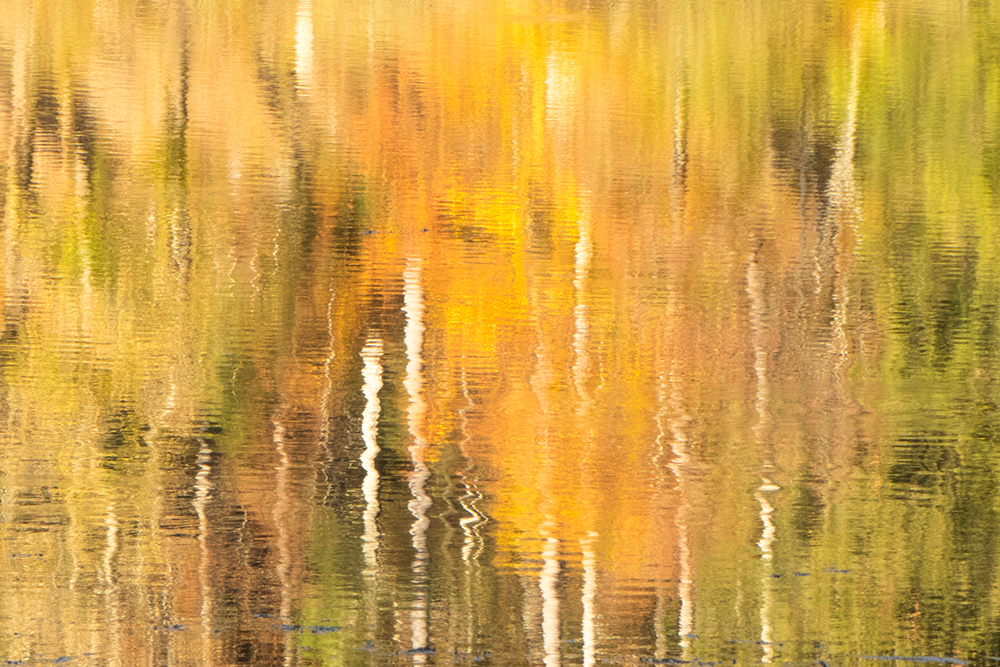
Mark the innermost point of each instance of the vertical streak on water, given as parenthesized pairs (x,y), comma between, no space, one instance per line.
(14,282)
(304,45)
(678,466)
(755,290)
(470,525)
(202,493)
(18,141)
(678,437)
(324,408)
(372,374)
(767,538)
(678,180)
(841,197)
(541,383)
(281,522)
(548,581)
(413,306)
(471,544)
(660,647)
(589,596)
(583,253)
(110,588)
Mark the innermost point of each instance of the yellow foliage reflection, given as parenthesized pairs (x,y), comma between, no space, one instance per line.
(344,331)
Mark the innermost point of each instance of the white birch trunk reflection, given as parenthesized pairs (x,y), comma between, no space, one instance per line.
(548,584)
(843,210)
(110,588)
(685,584)
(413,306)
(583,254)
(755,290)
(281,518)
(660,638)
(372,384)
(541,384)
(589,599)
(372,374)
(202,491)
(304,45)
(324,406)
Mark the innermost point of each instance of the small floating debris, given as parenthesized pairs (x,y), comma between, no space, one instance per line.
(288,627)
(323,629)
(801,574)
(423,650)
(834,570)
(460,656)
(175,627)
(62,659)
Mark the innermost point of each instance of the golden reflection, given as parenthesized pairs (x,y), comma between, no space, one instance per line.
(676,327)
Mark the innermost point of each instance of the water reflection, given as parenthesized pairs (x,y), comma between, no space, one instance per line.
(372,373)
(680,464)
(629,333)
(413,300)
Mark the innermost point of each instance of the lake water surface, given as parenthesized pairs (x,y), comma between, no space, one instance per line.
(371,332)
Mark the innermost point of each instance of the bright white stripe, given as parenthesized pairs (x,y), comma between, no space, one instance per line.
(548,581)
(372,374)
(304,44)
(413,306)
(589,595)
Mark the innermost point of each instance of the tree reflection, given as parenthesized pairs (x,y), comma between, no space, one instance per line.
(377,333)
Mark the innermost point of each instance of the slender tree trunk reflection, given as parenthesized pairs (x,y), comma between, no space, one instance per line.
(372,374)
(281,517)
(758,327)
(202,489)
(413,306)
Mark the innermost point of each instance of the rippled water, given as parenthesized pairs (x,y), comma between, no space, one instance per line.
(570,333)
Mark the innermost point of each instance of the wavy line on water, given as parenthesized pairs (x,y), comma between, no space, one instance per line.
(917,658)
